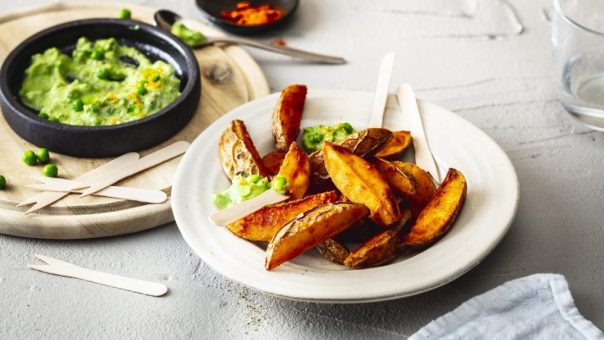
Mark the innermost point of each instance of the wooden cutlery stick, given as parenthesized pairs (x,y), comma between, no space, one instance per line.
(62,268)
(423,154)
(229,215)
(381,91)
(134,167)
(131,194)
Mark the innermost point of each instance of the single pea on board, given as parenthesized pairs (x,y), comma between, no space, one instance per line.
(29,158)
(124,14)
(43,155)
(2,182)
(50,170)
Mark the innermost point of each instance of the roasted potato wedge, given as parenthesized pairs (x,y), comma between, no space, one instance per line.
(333,251)
(312,229)
(440,213)
(272,162)
(399,181)
(362,183)
(379,250)
(264,223)
(424,185)
(362,143)
(360,232)
(296,170)
(396,147)
(237,152)
(287,116)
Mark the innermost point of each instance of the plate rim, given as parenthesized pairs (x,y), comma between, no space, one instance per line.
(368,298)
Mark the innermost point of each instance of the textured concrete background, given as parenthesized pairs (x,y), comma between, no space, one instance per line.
(489,61)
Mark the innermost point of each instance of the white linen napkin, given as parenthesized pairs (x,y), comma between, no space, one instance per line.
(539,306)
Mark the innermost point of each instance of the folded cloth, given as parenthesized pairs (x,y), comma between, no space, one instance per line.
(534,307)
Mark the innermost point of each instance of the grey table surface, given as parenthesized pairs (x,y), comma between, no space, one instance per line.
(487,60)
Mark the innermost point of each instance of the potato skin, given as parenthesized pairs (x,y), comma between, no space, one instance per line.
(362,183)
(296,170)
(380,249)
(362,143)
(237,152)
(288,115)
(272,162)
(400,142)
(424,185)
(311,229)
(440,213)
(399,181)
(333,251)
(263,224)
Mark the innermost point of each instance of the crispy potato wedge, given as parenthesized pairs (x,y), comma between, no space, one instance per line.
(379,250)
(399,181)
(440,213)
(237,152)
(361,182)
(362,143)
(359,232)
(312,229)
(272,162)
(333,251)
(287,116)
(424,185)
(296,170)
(264,223)
(397,146)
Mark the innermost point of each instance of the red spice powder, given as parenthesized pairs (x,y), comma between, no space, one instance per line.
(246,14)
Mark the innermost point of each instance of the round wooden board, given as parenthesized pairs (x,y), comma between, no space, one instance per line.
(230,77)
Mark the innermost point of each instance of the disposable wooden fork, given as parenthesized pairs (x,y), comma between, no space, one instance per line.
(62,268)
(129,169)
(131,194)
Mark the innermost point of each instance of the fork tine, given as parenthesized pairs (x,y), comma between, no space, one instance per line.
(40,267)
(52,261)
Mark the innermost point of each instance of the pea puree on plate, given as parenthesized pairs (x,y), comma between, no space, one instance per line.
(313,136)
(101,83)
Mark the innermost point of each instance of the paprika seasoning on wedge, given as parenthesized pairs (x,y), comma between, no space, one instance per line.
(246,14)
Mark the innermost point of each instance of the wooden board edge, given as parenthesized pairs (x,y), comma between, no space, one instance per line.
(72,227)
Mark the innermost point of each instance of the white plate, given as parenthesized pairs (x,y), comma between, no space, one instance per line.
(485,218)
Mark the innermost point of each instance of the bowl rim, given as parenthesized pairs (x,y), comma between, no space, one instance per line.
(11,99)
(223,22)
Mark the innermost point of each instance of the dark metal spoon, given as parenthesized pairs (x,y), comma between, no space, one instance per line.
(165,19)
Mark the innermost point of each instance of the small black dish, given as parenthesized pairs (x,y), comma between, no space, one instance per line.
(212,9)
(110,140)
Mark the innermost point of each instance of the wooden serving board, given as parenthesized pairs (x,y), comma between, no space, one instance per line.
(230,77)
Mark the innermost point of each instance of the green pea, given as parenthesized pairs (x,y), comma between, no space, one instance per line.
(156,77)
(2,182)
(253,178)
(50,170)
(97,55)
(73,95)
(103,74)
(78,105)
(141,90)
(279,184)
(29,158)
(43,115)
(43,155)
(124,14)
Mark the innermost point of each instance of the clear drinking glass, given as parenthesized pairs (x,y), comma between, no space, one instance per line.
(578,38)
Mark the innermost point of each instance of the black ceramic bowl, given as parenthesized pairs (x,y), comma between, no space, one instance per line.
(101,141)
(212,9)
